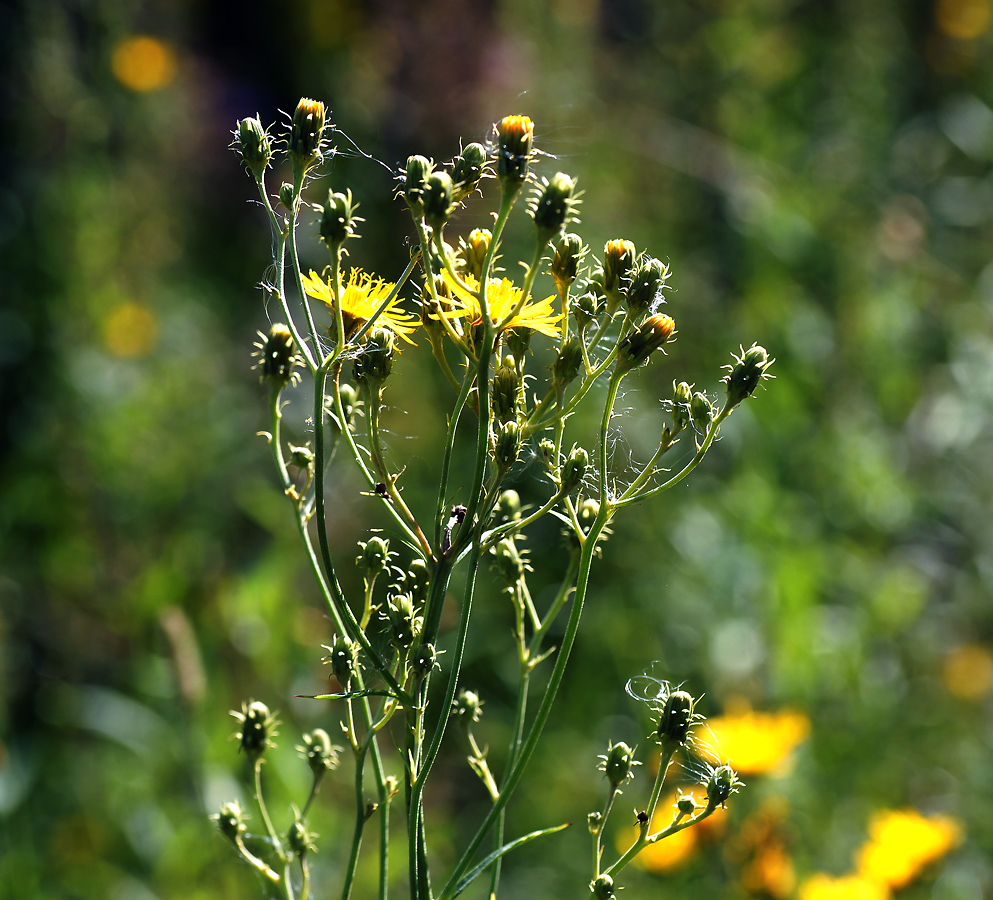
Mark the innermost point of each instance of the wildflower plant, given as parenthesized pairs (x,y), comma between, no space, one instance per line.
(398,677)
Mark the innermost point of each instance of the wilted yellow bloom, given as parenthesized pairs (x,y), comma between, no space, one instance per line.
(361,296)
(851,887)
(902,842)
(501,297)
(753,743)
(143,63)
(968,672)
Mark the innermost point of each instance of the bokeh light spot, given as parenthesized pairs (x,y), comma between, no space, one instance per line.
(130,330)
(753,743)
(143,63)
(963,19)
(851,887)
(902,842)
(968,672)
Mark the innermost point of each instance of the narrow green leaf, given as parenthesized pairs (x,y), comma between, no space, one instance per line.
(496,854)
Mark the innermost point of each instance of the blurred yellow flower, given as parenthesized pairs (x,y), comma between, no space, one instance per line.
(851,887)
(968,672)
(902,842)
(130,330)
(361,296)
(753,743)
(143,63)
(501,297)
(963,19)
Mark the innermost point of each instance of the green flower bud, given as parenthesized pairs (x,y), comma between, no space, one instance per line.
(258,728)
(546,447)
(618,763)
(349,397)
(251,140)
(374,362)
(467,170)
(374,558)
(594,821)
(618,261)
(230,821)
(702,411)
(509,506)
(508,562)
(686,805)
(301,457)
(586,512)
(603,887)
(338,219)
(320,753)
(574,469)
(552,204)
(299,838)
(467,707)
(418,170)
(645,340)
(681,397)
(287,196)
(646,283)
(675,719)
(306,134)
(405,624)
(722,783)
(747,372)
(515,135)
(507,444)
(568,258)
(416,579)
(518,342)
(568,364)
(343,659)
(424,659)
(437,199)
(472,252)
(506,390)
(585,308)
(277,356)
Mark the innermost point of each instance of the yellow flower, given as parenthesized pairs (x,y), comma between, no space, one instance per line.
(968,672)
(902,842)
(360,298)
(851,887)
(754,743)
(501,297)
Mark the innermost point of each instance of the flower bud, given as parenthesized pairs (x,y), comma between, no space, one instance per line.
(306,133)
(251,140)
(507,444)
(301,457)
(349,397)
(518,342)
(675,720)
(299,838)
(574,469)
(602,887)
(258,728)
(416,579)
(374,362)
(472,252)
(404,623)
(338,219)
(618,260)
(320,753)
(546,447)
(277,356)
(744,376)
(723,782)
(231,820)
(467,707)
(585,308)
(568,363)
(506,390)
(374,558)
(617,764)
(586,512)
(594,821)
(467,170)
(646,282)
(418,169)
(686,805)
(437,199)
(425,659)
(552,204)
(515,134)
(287,196)
(645,340)
(681,397)
(508,562)
(568,257)
(509,506)
(702,411)
(343,659)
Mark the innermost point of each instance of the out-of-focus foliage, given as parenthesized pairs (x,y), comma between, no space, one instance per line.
(818,175)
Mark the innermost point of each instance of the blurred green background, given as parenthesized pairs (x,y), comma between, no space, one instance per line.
(818,175)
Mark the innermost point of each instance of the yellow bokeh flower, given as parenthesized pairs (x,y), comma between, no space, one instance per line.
(361,296)
(501,297)
(968,672)
(850,887)
(902,842)
(964,19)
(130,330)
(753,743)
(143,63)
